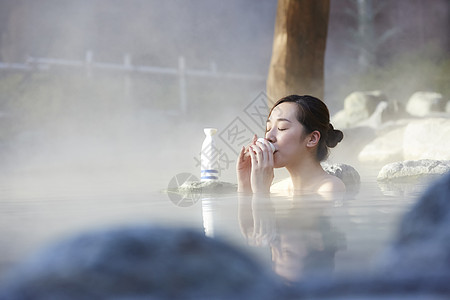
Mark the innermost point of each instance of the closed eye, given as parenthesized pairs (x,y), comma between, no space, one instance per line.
(282,129)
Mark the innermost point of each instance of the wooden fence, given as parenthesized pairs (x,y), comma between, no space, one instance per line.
(45,64)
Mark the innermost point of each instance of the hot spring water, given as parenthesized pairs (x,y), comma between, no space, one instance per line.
(295,237)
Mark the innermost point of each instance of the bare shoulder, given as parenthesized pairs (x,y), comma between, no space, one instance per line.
(331,184)
(283,186)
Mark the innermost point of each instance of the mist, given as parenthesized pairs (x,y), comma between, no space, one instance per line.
(82,115)
(72,119)
(103,103)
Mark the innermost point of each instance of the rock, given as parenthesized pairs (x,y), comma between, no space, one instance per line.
(412,170)
(355,139)
(427,139)
(360,106)
(376,118)
(391,125)
(208,187)
(423,103)
(346,173)
(366,109)
(340,120)
(415,266)
(385,148)
(422,243)
(141,262)
(401,188)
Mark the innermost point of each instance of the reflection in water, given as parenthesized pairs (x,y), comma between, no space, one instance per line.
(208,218)
(300,235)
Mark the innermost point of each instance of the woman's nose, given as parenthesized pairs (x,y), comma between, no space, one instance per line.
(270,136)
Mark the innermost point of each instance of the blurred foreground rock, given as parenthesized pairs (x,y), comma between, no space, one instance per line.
(141,262)
(422,243)
(416,265)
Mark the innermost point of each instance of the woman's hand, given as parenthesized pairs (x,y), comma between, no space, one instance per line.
(244,168)
(262,174)
(264,222)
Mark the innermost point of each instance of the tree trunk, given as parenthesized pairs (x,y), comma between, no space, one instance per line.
(297,64)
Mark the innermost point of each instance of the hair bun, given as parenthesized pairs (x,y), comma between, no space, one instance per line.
(334,136)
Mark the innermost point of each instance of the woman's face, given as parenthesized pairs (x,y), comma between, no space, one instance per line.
(287,134)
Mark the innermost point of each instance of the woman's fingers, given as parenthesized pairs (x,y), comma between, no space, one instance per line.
(251,151)
(263,152)
(242,153)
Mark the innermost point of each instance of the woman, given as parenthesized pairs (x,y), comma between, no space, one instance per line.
(299,128)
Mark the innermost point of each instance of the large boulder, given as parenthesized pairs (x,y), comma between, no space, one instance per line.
(366,109)
(415,266)
(141,262)
(385,148)
(427,139)
(421,246)
(412,170)
(358,106)
(355,139)
(340,120)
(421,104)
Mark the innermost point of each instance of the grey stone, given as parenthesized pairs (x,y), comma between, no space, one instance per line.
(355,139)
(421,104)
(340,120)
(422,243)
(427,139)
(411,170)
(385,148)
(415,266)
(376,118)
(141,262)
(366,109)
(410,186)
(208,187)
(359,106)
(348,174)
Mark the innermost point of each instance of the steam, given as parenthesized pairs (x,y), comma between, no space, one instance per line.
(68,121)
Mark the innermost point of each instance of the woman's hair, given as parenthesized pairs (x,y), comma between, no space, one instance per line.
(313,114)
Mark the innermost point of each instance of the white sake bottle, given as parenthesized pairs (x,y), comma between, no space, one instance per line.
(209,157)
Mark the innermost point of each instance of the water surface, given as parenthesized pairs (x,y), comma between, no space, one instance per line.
(295,237)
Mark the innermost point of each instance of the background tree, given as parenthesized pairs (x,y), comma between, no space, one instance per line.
(297,64)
